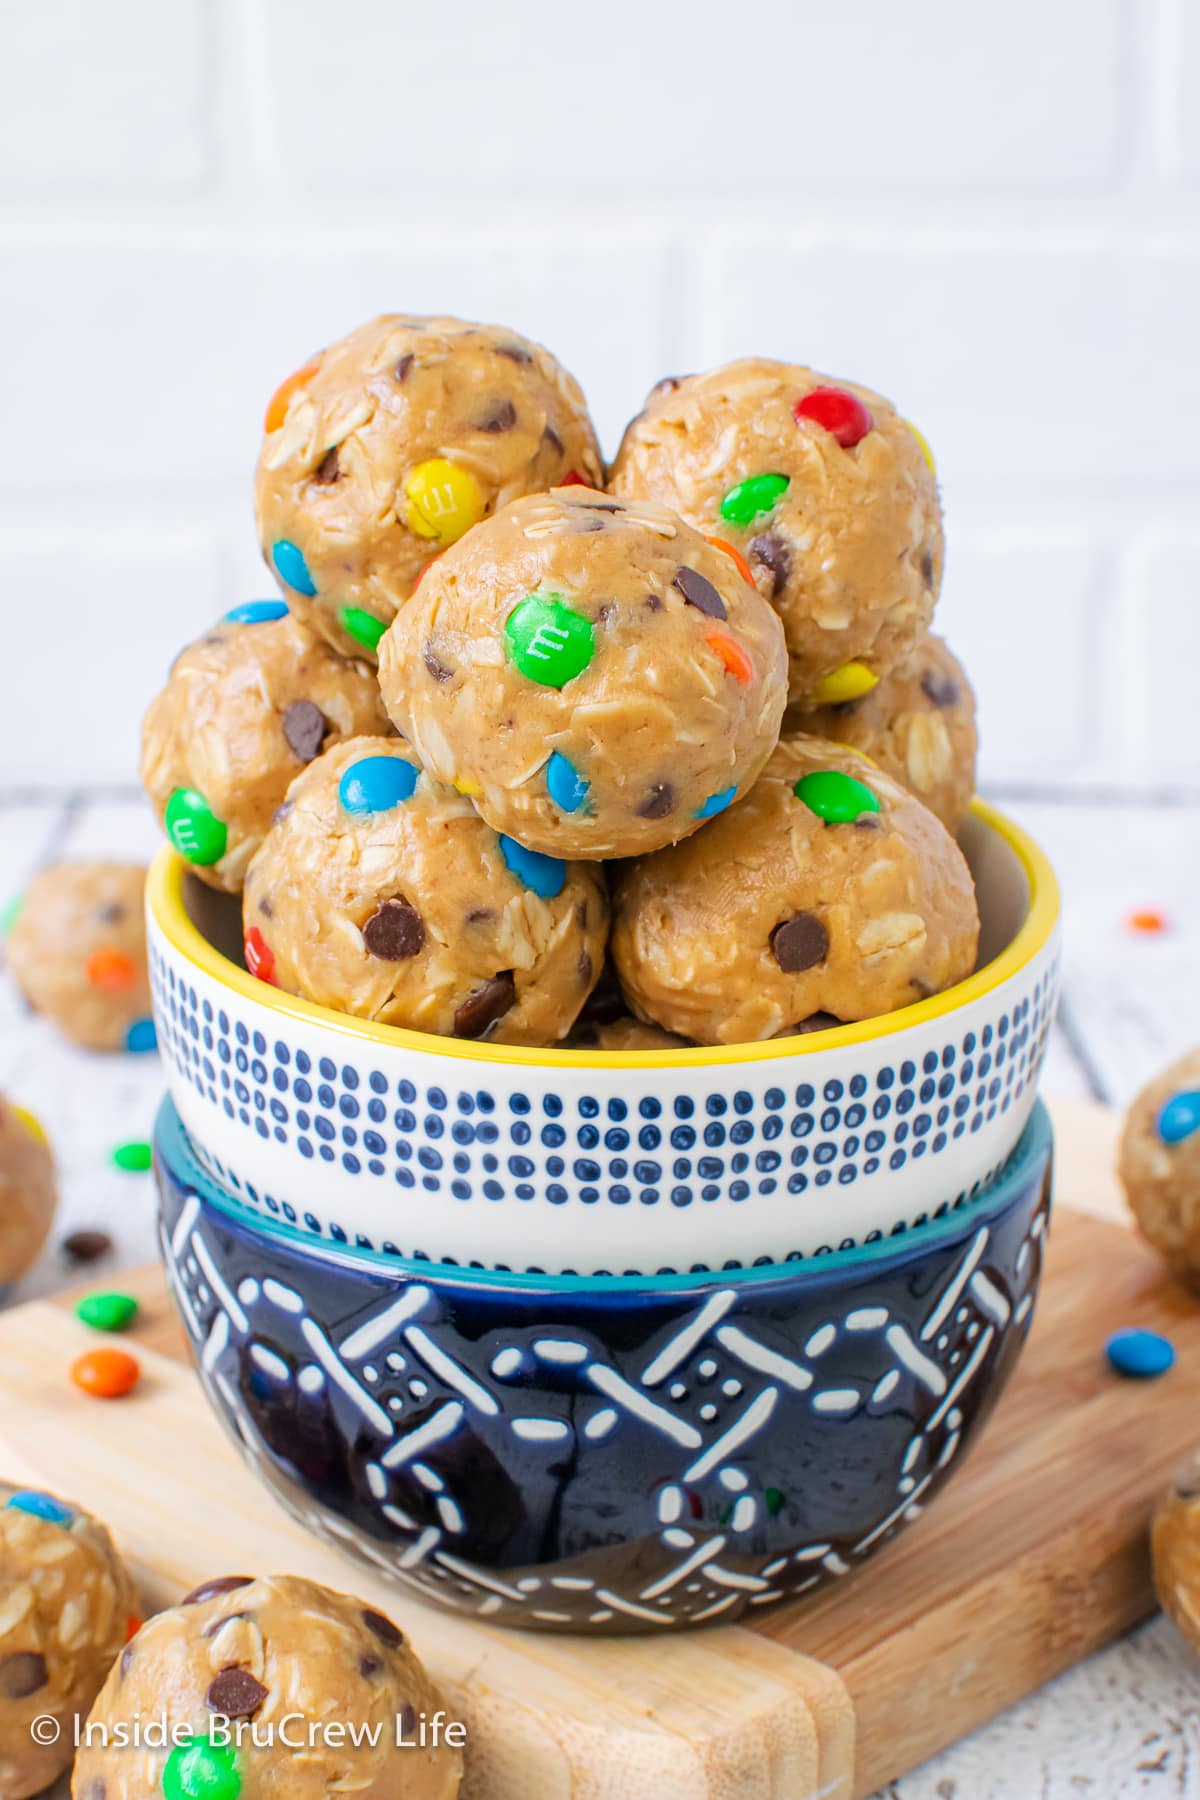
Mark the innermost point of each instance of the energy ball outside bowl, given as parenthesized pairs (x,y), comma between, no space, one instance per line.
(391,444)
(245,708)
(264,1686)
(826,491)
(67,1606)
(829,890)
(380,892)
(28,1193)
(77,952)
(599,678)
(1159,1165)
(1175,1549)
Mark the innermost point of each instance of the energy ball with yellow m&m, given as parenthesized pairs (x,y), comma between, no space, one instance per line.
(274,1689)
(245,708)
(823,488)
(597,676)
(28,1193)
(382,893)
(78,953)
(829,891)
(917,723)
(390,445)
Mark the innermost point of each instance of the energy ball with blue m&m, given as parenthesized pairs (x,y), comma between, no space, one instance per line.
(67,1606)
(1159,1165)
(824,489)
(830,892)
(274,1689)
(77,952)
(245,708)
(382,893)
(391,444)
(599,678)
(28,1193)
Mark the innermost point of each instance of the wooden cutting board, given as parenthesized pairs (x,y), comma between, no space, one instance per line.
(1034,1557)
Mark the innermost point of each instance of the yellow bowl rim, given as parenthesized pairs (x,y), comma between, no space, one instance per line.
(164,899)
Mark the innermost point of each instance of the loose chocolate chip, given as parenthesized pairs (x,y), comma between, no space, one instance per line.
(404,365)
(551,437)
(384,1630)
(769,549)
(927,568)
(818,1021)
(22,1674)
(86,1246)
(514,352)
(941,689)
(395,932)
(304,727)
(369,1667)
(700,593)
(585,967)
(434,664)
(801,942)
(502,417)
(126,1660)
(234,1693)
(328,469)
(658,802)
(220,1584)
(480,1010)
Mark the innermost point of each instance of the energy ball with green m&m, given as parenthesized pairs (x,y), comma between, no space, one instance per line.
(390,445)
(295,1674)
(594,674)
(67,1606)
(1160,1165)
(382,893)
(77,952)
(826,491)
(829,891)
(245,708)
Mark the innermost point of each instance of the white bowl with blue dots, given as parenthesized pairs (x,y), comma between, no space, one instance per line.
(591,1162)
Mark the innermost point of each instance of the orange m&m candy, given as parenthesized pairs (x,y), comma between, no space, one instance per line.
(106,1374)
(111,970)
(731,550)
(281,398)
(132,1626)
(737,662)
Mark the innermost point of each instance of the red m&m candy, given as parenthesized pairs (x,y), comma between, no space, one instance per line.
(841,414)
(260,958)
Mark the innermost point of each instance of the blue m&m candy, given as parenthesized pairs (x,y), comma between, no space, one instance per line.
(41,1506)
(1180,1117)
(141,1037)
(544,874)
(257,612)
(716,803)
(291,567)
(377,784)
(564,784)
(1139,1354)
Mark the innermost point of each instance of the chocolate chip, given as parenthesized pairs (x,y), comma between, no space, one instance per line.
(668,384)
(369,1667)
(22,1674)
(927,568)
(653,602)
(435,665)
(658,802)
(408,1720)
(304,727)
(395,932)
(606,1002)
(384,1630)
(818,1021)
(585,967)
(479,915)
(126,1660)
(801,942)
(265,907)
(502,417)
(608,506)
(581,915)
(86,1246)
(220,1584)
(941,689)
(234,1693)
(281,811)
(769,549)
(111,915)
(514,352)
(700,593)
(97,1789)
(551,437)
(480,1010)
(215,1625)
(869,821)
(328,469)
(403,366)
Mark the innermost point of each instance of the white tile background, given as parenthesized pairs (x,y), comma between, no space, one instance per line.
(989,213)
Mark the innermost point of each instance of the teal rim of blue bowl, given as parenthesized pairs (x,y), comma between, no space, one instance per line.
(1027,1163)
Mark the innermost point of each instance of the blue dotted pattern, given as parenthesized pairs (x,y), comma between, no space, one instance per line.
(696,1150)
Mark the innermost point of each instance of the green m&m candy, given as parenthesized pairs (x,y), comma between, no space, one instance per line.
(194,828)
(548,641)
(201,1770)
(362,626)
(757,494)
(834,797)
(107,1312)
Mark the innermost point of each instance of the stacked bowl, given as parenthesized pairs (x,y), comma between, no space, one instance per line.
(606,1342)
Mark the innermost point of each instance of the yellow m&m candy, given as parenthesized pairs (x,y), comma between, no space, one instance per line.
(926,452)
(443,501)
(33,1126)
(850,682)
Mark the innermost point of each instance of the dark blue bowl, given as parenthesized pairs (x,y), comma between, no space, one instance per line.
(606,1454)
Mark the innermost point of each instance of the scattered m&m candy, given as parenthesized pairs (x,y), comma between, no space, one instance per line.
(106,1374)
(850,682)
(134,1158)
(546,875)
(752,497)
(1140,1355)
(194,828)
(838,799)
(40,1506)
(443,501)
(376,784)
(841,414)
(1180,1117)
(107,1312)
(1147,921)
(201,1769)
(548,641)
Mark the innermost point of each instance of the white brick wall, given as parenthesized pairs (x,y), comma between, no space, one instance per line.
(989,213)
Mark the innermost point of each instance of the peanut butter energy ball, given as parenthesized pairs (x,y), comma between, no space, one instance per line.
(826,491)
(244,709)
(67,1606)
(78,953)
(593,673)
(391,444)
(1175,1548)
(917,723)
(828,890)
(265,1685)
(380,892)
(28,1195)
(1159,1165)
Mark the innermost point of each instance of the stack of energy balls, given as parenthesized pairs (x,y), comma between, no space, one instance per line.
(545,754)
